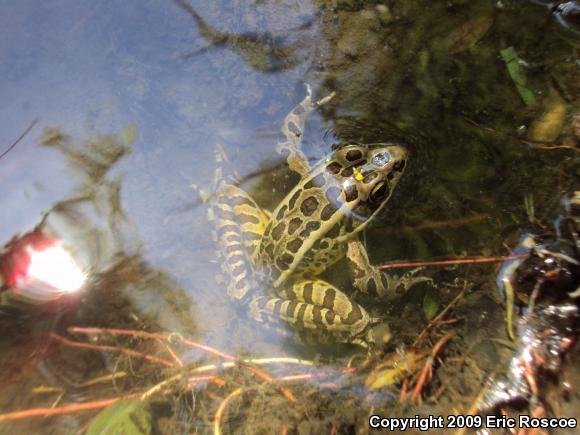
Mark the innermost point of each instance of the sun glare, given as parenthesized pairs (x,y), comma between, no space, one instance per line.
(55,267)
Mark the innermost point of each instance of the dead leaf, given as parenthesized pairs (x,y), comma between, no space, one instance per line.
(394,370)
(467,35)
(548,124)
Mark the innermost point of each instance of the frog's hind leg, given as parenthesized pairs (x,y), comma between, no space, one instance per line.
(235,263)
(235,207)
(293,129)
(370,280)
(314,306)
(238,226)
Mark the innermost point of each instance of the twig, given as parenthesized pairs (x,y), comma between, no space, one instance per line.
(463,260)
(220,411)
(151,335)
(543,146)
(159,386)
(11,147)
(66,409)
(100,379)
(130,352)
(291,378)
(531,144)
(169,338)
(471,121)
(259,373)
(428,367)
(256,361)
(209,378)
(172,353)
(436,319)
(404,389)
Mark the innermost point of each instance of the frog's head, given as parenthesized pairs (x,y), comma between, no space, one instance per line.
(367,175)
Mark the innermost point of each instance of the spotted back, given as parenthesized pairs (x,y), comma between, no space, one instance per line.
(341,195)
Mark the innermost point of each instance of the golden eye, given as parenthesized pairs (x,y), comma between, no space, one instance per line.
(379,192)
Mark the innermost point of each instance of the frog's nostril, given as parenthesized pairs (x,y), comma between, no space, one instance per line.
(369,176)
(399,166)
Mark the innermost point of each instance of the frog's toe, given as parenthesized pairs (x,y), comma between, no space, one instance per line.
(410,279)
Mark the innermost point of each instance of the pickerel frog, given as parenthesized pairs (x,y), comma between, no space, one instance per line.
(272,260)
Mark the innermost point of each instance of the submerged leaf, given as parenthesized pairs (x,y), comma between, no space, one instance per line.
(125,417)
(548,125)
(393,370)
(430,305)
(512,61)
(467,35)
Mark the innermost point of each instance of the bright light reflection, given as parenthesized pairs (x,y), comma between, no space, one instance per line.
(54,266)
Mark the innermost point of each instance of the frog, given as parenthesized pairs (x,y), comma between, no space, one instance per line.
(272,260)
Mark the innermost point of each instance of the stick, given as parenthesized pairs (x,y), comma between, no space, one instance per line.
(66,409)
(130,352)
(218,415)
(168,338)
(11,147)
(466,260)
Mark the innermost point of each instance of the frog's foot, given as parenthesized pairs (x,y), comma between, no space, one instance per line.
(314,306)
(293,129)
(205,195)
(406,281)
(370,280)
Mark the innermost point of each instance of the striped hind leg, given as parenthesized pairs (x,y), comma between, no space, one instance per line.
(316,307)
(235,263)
(238,226)
(236,207)
(293,129)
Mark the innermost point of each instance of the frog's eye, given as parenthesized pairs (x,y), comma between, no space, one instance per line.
(381,159)
(379,192)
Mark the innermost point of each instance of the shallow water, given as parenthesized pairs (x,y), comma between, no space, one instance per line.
(168,81)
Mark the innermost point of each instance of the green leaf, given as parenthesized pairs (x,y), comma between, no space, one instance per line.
(512,61)
(125,417)
(430,305)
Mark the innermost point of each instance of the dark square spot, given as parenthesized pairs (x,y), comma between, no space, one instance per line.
(353,155)
(277,231)
(309,206)
(334,167)
(294,245)
(294,225)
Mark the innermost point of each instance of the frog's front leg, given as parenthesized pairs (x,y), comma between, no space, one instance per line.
(370,280)
(293,129)
(314,305)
